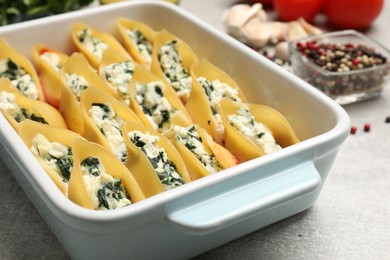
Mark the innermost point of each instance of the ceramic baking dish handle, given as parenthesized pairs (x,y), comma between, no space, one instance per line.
(248,200)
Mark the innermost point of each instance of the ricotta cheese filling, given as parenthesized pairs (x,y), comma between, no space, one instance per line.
(110,125)
(119,76)
(19,78)
(76,83)
(255,132)
(215,91)
(164,167)
(190,138)
(9,106)
(105,191)
(155,106)
(92,44)
(144,47)
(56,155)
(172,66)
(52,59)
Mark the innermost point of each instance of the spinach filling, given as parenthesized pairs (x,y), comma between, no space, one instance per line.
(208,87)
(148,106)
(172,67)
(64,165)
(83,35)
(25,114)
(12,70)
(92,164)
(256,132)
(119,76)
(77,84)
(154,104)
(104,107)
(110,126)
(56,156)
(115,190)
(19,78)
(141,42)
(190,138)
(111,192)
(165,116)
(194,136)
(215,91)
(164,167)
(92,44)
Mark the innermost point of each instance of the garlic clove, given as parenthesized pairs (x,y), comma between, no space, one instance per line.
(309,28)
(279,30)
(282,51)
(295,31)
(239,16)
(257,33)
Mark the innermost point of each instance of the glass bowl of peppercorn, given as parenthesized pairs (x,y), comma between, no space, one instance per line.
(345,65)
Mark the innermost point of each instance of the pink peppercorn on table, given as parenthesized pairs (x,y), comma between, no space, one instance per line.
(348,221)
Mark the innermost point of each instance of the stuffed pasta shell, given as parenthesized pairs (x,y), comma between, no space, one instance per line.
(155,102)
(117,70)
(172,59)
(92,43)
(16,108)
(49,63)
(52,147)
(104,117)
(19,70)
(210,85)
(77,75)
(138,39)
(253,130)
(200,153)
(153,160)
(99,181)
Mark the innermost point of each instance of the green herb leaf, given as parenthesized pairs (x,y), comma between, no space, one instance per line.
(20,10)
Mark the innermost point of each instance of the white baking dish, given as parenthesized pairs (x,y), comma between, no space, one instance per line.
(199,216)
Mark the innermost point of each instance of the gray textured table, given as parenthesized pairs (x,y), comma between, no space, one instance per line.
(350,220)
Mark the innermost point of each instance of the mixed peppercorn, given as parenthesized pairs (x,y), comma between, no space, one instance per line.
(366,126)
(350,68)
(341,57)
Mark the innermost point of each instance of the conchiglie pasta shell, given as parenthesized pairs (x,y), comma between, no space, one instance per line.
(69,105)
(205,68)
(199,109)
(143,76)
(276,122)
(195,168)
(149,34)
(78,64)
(100,35)
(91,131)
(7,52)
(70,110)
(139,164)
(83,149)
(44,110)
(198,105)
(245,150)
(110,56)
(49,77)
(29,129)
(186,53)
(225,158)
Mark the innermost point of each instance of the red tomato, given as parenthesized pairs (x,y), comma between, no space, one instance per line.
(264,2)
(289,10)
(352,14)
